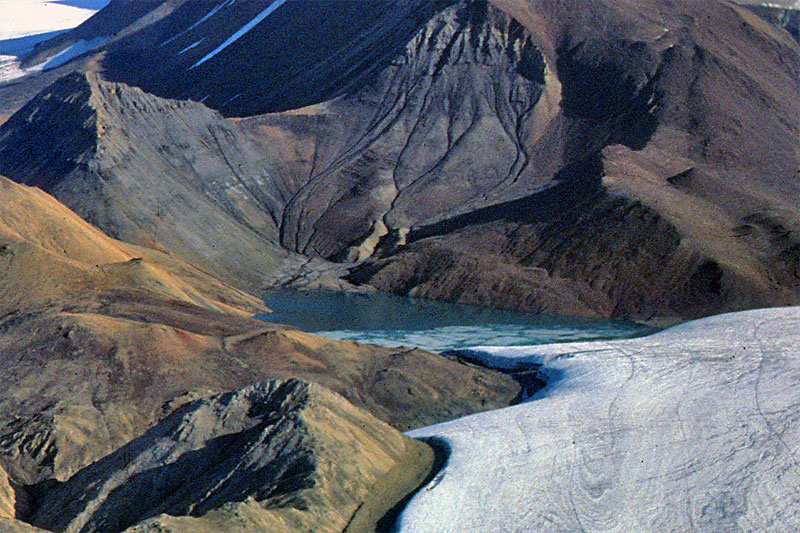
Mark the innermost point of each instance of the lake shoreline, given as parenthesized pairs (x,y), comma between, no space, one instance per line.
(390,320)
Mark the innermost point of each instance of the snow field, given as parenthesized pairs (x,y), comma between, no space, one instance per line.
(693,428)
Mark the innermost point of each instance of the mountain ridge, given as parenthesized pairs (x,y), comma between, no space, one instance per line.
(616,158)
(603,126)
(100,339)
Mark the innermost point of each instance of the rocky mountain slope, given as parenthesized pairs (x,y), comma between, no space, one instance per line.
(687,211)
(99,340)
(785,17)
(110,154)
(185,49)
(590,158)
(625,158)
(268,457)
(692,429)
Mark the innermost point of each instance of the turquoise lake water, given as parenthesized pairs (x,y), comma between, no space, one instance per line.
(436,326)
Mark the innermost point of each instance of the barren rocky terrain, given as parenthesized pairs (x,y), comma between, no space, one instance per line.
(100,340)
(595,159)
(168,159)
(271,457)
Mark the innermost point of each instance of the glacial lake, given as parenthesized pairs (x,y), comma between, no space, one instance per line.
(435,326)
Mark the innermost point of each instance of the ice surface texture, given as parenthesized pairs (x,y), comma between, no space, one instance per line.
(694,428)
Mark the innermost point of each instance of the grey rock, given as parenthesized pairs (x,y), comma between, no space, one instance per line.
(296,455)
(548,142)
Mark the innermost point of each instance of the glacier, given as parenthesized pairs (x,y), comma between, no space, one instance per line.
(24,23)
(693,428)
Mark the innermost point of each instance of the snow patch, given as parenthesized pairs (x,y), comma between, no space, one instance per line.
(25,23)
(9,68)
(229,100)
(67,55)
(207,16)
(238,35)
(190,46)
(22,18)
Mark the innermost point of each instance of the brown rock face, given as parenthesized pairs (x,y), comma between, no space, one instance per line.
(675,156)
(276,456)
(8,496)
(98,338)
(541,141)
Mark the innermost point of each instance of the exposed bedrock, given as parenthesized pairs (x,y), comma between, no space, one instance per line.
(319,180)
(518,139)
(276,456)
(671,156)
(100,339)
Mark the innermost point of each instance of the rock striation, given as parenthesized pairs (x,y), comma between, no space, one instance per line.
(603,158)
(275,456)
(663,154)
(108,152)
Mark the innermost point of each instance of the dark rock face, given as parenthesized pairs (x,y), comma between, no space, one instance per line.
(679,147)
(246,443)
(417,153)
(203,50)
(317,185)
(344,44)
(455,120)
(605,256)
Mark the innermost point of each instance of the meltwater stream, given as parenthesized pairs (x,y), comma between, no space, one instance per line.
(435,326)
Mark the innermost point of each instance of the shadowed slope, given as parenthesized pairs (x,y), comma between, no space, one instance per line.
(686,206)
(626,159)
(108,152)
(98,336)
(280,455)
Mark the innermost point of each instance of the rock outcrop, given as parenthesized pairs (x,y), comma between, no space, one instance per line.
(276,456)
(109,153)
(538,141)
(97,338)
(667,201)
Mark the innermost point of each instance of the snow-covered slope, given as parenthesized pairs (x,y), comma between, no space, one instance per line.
(35,17)
(694,428)
(24,23)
